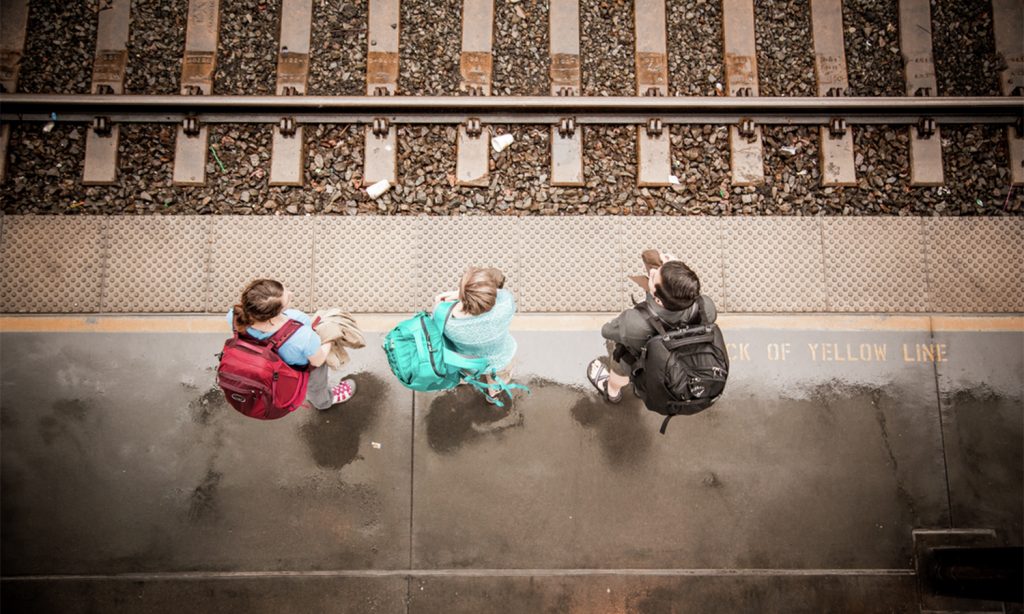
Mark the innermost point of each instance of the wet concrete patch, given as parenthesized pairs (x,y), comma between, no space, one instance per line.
(981,395)
(71,409)
(664,594)
(761,480)
(70,422)
(624,437)
(208,406)
(803,464)
(203,502)
(985,443)
(835,397)
(333,435)
(268,595)
(168,477)
(460,416)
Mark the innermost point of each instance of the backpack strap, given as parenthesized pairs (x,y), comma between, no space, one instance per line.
(677,408)
(484,388)
(701,311)
(283,334)
(622,353)
(442,313)
(651,317)
(464,363)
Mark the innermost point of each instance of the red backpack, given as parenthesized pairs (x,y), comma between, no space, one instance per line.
(256,381)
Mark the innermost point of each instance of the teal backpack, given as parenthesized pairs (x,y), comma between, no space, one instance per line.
(420,358)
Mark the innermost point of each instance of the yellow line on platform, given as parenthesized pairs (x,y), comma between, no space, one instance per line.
(535,322)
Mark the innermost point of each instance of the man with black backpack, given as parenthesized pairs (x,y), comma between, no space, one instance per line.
(668,345)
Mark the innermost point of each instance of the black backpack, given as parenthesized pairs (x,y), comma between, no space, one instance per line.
(683,368)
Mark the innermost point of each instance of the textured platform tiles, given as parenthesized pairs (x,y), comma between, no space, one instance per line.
(875,267)
(158,264)
(963,278)
(52,265)
(190,264)
(775,264)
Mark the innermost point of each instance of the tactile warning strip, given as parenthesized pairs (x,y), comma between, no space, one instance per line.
(247,248)
(52,264)
(875,264)
(157,264)
(773,264)
(573,266)
(83,264)
(369,264)
(976,265)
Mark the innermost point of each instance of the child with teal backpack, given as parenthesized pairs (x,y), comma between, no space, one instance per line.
(465,339)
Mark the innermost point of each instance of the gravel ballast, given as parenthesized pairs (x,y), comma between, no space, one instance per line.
(338,46)
(521,35)
(156,44)
(60,44)
(45,163)
(429,48)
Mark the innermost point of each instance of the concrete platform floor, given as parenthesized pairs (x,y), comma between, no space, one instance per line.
(128,485)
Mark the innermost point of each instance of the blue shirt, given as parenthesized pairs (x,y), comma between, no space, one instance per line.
(486,335)
(299,347)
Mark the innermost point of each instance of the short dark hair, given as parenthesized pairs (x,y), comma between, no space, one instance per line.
(679,286)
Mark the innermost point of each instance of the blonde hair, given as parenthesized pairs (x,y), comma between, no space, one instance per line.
(261,300)
(479,289)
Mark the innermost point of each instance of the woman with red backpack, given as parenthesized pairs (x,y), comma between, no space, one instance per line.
(275,358)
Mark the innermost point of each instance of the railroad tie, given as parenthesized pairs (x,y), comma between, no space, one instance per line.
(746,155)
(836,140)
(1007,19)
(12,46)
(654,147)
(108,72)
(380,161)
(288,152)
(475,65)
(197,70)
(919,70)
(566,136)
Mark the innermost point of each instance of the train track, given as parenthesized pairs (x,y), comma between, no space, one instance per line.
(920,114)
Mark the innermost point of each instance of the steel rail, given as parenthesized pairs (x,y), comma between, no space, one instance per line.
(510,109)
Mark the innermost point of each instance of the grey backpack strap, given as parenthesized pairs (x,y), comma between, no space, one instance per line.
(651,317)
(704,321)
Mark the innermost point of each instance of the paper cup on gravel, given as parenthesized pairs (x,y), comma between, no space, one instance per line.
(378,188)
(502,141)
